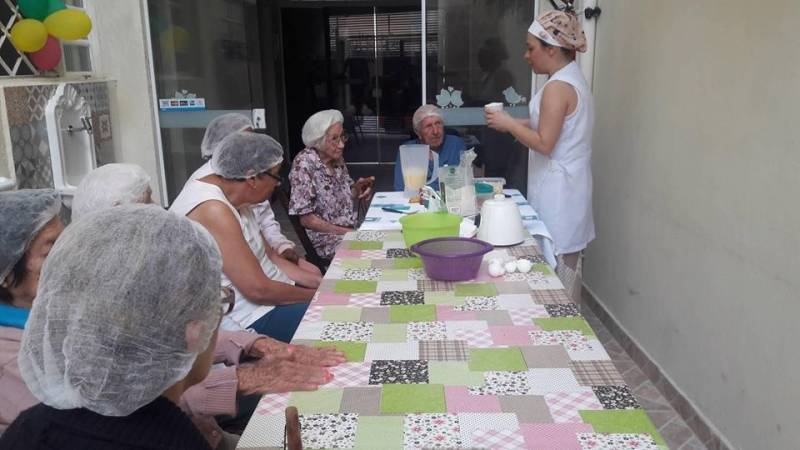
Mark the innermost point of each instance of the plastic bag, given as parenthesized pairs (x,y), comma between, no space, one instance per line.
(457,186)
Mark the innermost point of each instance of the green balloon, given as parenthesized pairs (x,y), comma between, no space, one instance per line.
(54,5)
(33,9)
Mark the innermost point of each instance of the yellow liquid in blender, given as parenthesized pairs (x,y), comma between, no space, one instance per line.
(414,179)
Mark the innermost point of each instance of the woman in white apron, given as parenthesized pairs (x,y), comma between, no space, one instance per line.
(558,135)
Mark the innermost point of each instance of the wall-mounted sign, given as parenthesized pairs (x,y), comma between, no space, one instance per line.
(181,104)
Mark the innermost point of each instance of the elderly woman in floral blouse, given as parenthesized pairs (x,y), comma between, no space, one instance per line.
(323,194)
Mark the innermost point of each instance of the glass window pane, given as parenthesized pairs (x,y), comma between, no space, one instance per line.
(77,58)
(76,3)
(475,56)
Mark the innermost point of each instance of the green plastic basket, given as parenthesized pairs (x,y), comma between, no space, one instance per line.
(422,226)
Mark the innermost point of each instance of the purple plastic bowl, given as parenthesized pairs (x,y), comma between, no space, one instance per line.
(452,258)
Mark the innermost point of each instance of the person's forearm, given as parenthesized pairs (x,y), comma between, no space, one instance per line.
(277,293)
(316,223)
(529,137)
(294,272)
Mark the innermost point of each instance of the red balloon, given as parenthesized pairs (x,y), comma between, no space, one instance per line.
(48,57)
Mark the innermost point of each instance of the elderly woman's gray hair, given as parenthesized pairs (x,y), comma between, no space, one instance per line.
(245,154)
(111,185)
(422,113)
(221,127)
(23,214)
(317,125)
(119,295)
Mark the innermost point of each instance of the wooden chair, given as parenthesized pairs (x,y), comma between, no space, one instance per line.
(311,253)
(292,439)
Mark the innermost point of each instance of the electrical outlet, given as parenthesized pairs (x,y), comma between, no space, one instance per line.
(259,118)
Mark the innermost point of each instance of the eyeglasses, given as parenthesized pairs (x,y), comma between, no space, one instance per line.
(342,138)
(227,299)
(274,177)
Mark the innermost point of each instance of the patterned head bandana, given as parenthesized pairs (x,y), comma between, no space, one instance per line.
(561,29)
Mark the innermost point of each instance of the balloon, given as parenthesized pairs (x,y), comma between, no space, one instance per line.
(48,57)
(68,24)
(33,9)
(54,5)
(29,35)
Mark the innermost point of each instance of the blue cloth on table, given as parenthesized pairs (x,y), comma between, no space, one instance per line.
(281,321)
(449,154)
(11,316)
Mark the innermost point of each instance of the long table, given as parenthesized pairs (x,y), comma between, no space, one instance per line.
(500,363)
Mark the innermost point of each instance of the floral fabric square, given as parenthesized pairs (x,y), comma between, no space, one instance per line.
(328,430)
(431,431)
(572,340)
(402,298)
(398,372)
(565,310)
(616,441)
(399,253)
(347,331)
(616,397)
(502,383)
(426,331)
(478,303)
(365,274)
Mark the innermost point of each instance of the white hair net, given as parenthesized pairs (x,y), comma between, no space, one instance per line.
(244,154)
(424,112)
(219,128)
(317,125)
(108,328)
(110,185)
(22,214)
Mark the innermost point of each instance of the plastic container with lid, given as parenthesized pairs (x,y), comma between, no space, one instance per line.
(483,192)
(497,183)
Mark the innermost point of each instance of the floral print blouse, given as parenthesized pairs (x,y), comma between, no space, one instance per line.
(324,191)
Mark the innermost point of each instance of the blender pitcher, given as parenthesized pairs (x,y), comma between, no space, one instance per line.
(414,160)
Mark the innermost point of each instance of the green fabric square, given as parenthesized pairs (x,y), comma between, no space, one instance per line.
(384,432)
(364,245)
(443,298)
(337,313)
(389,332)
(543,268)
(394,275)
(407,263)
(506,359)
(353,351)
(412,313)
(476,290)
(453,373)
(622,421)
(320,401)
(353,263)
(412,398)
(355,287)
(565,323)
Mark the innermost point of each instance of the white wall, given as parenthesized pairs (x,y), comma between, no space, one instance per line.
(120,54)
(697,202)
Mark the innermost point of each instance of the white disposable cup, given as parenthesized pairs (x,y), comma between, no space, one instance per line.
(496,106)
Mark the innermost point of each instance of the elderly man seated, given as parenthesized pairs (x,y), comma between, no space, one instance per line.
(429,127)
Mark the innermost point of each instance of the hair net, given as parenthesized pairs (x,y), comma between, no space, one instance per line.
(110,185)
(23,213)
(107,331)
(242,155)
(561,29)
(424,112)
(317,125)
(219,128)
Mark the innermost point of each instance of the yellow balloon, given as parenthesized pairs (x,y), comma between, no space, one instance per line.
(68,24)
(29,35)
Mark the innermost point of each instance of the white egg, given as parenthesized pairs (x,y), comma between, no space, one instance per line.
(510,266)
(524,265)
(497,261)
(496,270)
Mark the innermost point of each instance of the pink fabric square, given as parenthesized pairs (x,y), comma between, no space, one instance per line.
(498,439)
(345,253)
(313,314)
(332,299)
(350,375)
(554,436)
(446,312)
(483,275)
(474,338)
(564,406)
(459,400)
(272,404)
(511,334)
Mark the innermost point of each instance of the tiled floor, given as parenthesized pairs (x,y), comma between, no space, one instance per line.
(674,430)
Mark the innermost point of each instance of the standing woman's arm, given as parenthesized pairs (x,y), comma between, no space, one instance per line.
(559,100)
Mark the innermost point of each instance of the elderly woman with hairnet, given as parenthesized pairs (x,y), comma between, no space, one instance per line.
(282,367)
(281,250)
(245,172)
(559,136)
(124,321)
(323,194)
(429,127)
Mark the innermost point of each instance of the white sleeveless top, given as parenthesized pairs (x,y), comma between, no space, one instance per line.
(244,312)
(560,185)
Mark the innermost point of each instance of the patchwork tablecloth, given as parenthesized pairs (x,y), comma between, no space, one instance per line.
(499,363)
